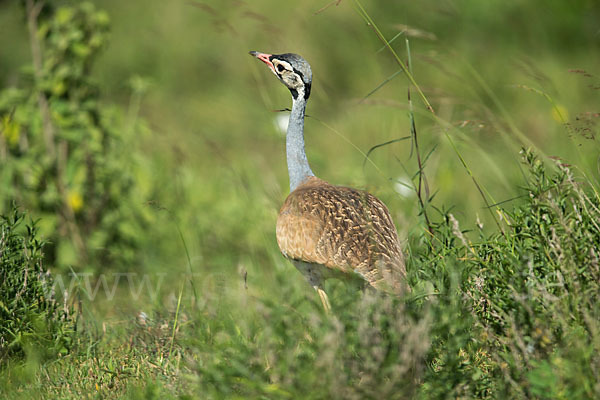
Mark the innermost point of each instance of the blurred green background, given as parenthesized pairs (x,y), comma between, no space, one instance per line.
(500,75)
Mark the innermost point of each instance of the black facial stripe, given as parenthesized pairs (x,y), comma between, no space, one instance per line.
(294,93)
(299,74)
(306,85)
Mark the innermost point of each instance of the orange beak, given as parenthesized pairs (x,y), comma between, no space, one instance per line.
(264,57)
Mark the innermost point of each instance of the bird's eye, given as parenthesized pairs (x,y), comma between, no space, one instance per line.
(280,68)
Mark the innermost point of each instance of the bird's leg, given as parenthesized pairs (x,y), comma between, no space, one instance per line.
(312,274)
(323,296)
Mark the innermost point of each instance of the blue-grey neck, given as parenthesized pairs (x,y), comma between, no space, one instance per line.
(297,162)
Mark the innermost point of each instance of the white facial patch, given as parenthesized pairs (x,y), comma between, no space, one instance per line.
(285,72)
(282,66)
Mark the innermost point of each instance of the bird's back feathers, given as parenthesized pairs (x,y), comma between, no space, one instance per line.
(344,230)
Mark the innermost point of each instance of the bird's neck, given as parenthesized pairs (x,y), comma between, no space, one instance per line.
(297,162)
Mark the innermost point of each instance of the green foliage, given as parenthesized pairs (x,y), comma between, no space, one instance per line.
(30,318)
(512,314)
(63,152)
(526,318)
(370,347)
(102,366)
(536,289)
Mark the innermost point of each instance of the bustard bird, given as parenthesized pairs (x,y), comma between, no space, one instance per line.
(326,230)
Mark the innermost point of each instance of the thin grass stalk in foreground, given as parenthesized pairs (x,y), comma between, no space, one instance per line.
(418,189)
(189,260)
(447,126)
(361,10)
(373,148)
(326,125)
(382,84)
(396,36)
(413,132)
(176,319)
(500,176)
(363,13)
(479,188)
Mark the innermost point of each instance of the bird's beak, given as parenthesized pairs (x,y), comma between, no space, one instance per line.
(264,57)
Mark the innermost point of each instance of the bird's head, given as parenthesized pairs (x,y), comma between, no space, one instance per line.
(291,69)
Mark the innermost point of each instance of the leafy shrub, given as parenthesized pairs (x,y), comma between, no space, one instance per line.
(528,297)
(537,288)
(64,154)
(30,318)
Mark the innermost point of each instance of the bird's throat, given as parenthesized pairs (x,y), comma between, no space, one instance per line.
(297,162)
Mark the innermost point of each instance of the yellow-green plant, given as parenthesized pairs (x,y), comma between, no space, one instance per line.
(64,154)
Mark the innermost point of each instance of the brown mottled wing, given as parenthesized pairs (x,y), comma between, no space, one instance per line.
(343,229)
